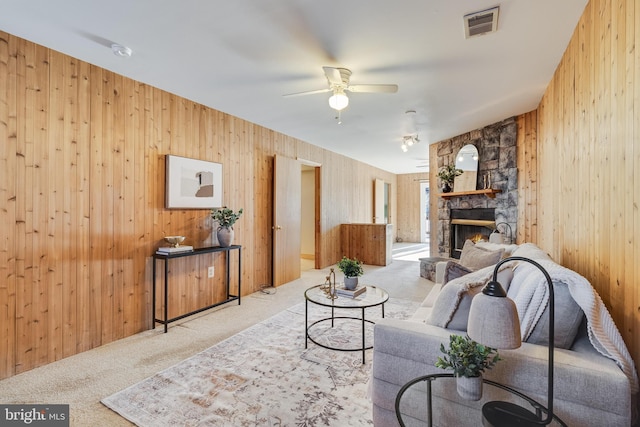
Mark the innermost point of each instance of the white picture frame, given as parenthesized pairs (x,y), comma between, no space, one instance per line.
(192,183)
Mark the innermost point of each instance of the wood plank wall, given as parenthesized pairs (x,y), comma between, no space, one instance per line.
(82,202)
(408,217)
(588,161)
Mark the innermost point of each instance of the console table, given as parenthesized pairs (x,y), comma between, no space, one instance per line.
(199,251)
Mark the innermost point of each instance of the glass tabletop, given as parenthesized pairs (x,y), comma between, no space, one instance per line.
(373,296)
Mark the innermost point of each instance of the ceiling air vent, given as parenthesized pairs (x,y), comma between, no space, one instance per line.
(483,22)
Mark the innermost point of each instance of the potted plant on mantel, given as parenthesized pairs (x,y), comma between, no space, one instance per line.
(448,174)
(352,269)
(225,218)
(468,360)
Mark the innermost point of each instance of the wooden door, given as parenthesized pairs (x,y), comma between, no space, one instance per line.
(287,187)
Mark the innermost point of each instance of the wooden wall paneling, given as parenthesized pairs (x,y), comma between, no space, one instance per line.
(98,212)
(42,168)
(583,99)
(603,144)
(83,212)
(132,288)
(527,177)
(82,249)
(60,175)
(602,138)
(108,192)
(69,204)
(24,180)
(630,307)
(619,192)
(8,210)
(567,230)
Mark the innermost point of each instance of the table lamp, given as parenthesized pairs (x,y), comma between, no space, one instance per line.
(493,321)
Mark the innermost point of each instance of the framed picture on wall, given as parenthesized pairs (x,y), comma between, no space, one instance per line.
(192,183)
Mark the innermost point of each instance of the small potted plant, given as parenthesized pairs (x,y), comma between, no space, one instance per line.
(448,174)
(352,269)
(225,218)
(468,360)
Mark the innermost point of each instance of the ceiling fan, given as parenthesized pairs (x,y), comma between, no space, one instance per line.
(338,79)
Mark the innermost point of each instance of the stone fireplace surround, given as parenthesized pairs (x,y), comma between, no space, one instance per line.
(496,146)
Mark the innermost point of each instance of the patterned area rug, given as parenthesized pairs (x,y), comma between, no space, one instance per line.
(264,376)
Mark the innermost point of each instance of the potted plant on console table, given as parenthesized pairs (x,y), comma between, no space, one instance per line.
(351,268)
(225,218)
(468,360)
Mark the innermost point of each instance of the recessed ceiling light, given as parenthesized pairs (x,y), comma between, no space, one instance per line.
(122,51)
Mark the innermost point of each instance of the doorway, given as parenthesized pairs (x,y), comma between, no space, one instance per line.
(308,218)
(287,218)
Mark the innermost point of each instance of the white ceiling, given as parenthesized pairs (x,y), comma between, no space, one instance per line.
(241,56)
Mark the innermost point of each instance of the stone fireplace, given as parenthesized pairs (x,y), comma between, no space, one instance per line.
(496,146)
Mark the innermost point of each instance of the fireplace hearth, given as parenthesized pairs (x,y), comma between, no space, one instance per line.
(469,224)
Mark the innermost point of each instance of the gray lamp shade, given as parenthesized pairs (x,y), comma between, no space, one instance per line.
(493,321)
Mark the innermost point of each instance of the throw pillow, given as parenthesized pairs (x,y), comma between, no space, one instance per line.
(508,249)
(453,270)
(475,258)
(568,318)
(451,307)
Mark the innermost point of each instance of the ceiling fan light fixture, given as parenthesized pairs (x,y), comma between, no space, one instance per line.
(338,101)
(404,147)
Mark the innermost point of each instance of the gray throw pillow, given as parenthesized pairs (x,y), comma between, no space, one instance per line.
(568,317)
(475,258)
(453,270)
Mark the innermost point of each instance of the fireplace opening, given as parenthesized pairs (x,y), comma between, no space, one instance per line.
(472,224)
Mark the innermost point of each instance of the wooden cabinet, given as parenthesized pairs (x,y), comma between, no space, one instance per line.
(370,243)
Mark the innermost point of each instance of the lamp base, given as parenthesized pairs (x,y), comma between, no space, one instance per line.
(506,414)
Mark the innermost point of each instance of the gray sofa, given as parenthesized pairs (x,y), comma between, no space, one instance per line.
(590,389)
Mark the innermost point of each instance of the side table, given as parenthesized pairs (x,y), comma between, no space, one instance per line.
(429,379)
(199,251)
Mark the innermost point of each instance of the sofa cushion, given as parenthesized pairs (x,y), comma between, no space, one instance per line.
(475,258)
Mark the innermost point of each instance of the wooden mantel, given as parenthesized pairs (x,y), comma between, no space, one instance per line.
(489,192)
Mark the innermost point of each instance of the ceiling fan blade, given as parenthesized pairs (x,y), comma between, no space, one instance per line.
(310,92)
(333,75)
(373,88)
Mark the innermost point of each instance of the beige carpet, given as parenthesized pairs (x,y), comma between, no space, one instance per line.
(84,379)
(264,376)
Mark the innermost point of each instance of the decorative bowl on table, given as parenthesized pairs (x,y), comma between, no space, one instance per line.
(174,240)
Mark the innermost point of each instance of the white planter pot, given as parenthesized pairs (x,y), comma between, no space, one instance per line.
(469,388)
(225,236)
(351,282)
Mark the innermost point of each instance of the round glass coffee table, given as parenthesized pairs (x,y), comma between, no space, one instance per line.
(372,297)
